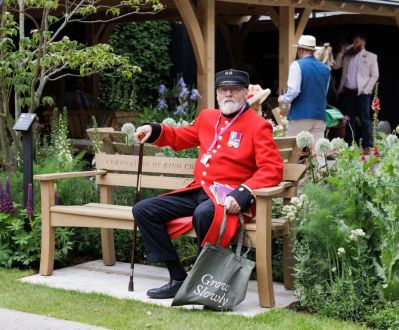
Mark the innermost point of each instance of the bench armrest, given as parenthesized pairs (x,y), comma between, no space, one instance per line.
(272,191)
(66,175)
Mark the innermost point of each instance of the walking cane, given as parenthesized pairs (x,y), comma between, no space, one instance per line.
(136,199)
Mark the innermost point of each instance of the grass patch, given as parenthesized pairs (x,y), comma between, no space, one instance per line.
(112,313)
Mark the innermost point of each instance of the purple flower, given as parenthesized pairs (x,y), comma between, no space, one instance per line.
(183,92)
(8,187)
(181,83)
(29,202)
(194,94)
(161,105)
(1,196)
(162,89)
(7,205)
(180,109)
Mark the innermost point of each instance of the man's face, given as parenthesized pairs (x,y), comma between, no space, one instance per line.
(358,44)
(230,98)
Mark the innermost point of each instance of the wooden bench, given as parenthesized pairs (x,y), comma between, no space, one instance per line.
(114,142)
(164,173)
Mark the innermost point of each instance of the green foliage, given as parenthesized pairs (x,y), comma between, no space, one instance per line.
(147,45)
(20,240)
(347,246)
(29,59)
(386,317)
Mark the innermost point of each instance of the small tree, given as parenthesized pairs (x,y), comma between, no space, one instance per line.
(29,61)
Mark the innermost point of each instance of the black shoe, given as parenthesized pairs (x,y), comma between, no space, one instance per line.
(166,291)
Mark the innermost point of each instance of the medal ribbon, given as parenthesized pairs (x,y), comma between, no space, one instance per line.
(224,129)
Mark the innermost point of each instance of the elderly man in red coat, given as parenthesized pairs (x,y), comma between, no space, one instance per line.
(236,148)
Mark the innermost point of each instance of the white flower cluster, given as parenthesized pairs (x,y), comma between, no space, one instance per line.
(355,234)
(182,123)
(323,146)
(392,140)
(297,203)
(129,129)
(338,145)
(169,122)
(397,129)
(304,139)
(341,251)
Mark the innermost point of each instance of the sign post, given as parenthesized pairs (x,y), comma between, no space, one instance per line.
(24,125)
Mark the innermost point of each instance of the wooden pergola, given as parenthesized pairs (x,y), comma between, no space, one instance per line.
(290,18)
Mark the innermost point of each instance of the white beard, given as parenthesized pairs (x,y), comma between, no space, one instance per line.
(229,107)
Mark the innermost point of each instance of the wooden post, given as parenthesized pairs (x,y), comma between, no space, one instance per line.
(286,40)
(200,25)
(107,235)
(264,251)
(206,78)
(48,232)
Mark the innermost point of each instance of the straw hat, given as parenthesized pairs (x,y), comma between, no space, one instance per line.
(306,42)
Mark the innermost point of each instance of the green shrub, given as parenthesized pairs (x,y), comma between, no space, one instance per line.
(147,45)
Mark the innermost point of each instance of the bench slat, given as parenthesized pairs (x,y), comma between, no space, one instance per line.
(151,164)
(147,181)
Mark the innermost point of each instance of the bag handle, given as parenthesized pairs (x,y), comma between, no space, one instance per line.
(242,232)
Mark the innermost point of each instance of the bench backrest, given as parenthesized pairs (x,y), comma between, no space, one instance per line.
(173,173)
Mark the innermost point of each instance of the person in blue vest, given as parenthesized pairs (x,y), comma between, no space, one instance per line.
(308,81)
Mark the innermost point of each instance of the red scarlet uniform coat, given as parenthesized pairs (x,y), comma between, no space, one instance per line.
(254,163)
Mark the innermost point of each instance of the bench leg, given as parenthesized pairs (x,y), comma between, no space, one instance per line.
(263,252)
(108,246)
(288,262)
(47,251)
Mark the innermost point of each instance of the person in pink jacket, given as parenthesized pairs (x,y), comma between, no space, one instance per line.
(359,76)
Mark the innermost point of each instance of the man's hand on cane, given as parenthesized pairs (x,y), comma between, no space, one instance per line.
(143,133)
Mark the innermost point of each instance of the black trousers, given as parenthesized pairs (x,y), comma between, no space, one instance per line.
(152,214)
(358,105)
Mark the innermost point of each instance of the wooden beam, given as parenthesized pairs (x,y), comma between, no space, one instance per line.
(302,22)
(286,40)
(274,16)
(248,27)
(327,5)
(189,17)
(228,39)
(206,77)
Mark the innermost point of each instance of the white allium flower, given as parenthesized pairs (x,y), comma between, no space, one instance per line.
(323,146)
(355,234)
(341,251)
(65,38)
(385,285)
(334,269)
(169,122)
(184,123)
(304,139)
(392,140)
(129,129)
(397,129)
(338,145)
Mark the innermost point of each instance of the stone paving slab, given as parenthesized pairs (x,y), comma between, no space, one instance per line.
(93,276)
(13,320)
